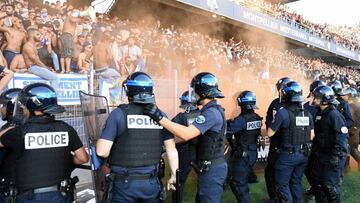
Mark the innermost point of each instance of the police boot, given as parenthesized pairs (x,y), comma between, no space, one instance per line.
(332,194)
(310,194)
(236,190)
(252,177)
(320,196)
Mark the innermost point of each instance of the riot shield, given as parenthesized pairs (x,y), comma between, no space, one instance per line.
(95,112)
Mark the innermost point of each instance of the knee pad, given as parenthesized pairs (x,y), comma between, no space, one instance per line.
(332,193)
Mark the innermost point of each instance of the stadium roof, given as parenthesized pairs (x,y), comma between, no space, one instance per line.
(334,12)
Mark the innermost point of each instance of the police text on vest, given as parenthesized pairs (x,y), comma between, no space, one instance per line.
(302,121)
(253,125)
(141,122)
(46,140)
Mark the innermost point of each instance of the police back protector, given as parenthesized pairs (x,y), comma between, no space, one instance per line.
(47,158)
(253,129)
(211,144)
(141,142)
(299,131)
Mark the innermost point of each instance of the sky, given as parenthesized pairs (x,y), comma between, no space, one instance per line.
(335,12)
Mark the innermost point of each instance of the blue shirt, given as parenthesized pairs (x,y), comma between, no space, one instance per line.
(236,125)
(210,118)
(275,105)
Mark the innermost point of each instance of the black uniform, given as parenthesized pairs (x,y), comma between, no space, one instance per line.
(43,147)
(330,144)
(246,128)
(345,110)
(274,142)
(186,150)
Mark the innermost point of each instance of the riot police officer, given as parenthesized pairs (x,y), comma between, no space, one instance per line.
(246,129)
(133,144)
(46,149)
(330,146)
(209,127)
(313,111)
(294,126)
(307,105)
(274,140)
(352,97)
(344,106)
(7,158)
(186,150)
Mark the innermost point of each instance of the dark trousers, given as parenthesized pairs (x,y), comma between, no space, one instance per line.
(211,184)
(309,168)
(240,171)
(327,177)
(289,169)
(136,191)
(186,155)
(270,173)
(47,197)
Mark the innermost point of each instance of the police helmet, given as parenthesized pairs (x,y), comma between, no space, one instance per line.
(7,100)
(315,84)
(40,97)
(351,91)
(206,86)
(337,87)
(247,100)
(292,92)
(188,101)
(139,88)
(282,82)
(326,95)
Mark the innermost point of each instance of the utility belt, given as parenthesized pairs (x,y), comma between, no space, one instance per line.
(328,150)
(66,188)
(130,177)
(202,166)
(243,151)
(304,148)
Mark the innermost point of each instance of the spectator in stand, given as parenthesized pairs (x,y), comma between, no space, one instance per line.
(132,53)
(33,62)
(103,59)
(85,58)
(15,37)
(18,64)
(9,10)
(5,73)
(117,52)
(3,42)
(78,48)
(46,52)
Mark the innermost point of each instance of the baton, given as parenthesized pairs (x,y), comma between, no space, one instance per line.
(177,185)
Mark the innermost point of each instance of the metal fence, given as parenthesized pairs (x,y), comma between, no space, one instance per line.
(167,92)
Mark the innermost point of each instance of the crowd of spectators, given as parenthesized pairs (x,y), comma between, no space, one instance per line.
(347,37)
(36,40)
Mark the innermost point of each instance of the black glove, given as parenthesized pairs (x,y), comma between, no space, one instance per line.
(334,161)
(154,112)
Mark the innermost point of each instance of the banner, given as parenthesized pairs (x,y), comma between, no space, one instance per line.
(236,12)
(69,86)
